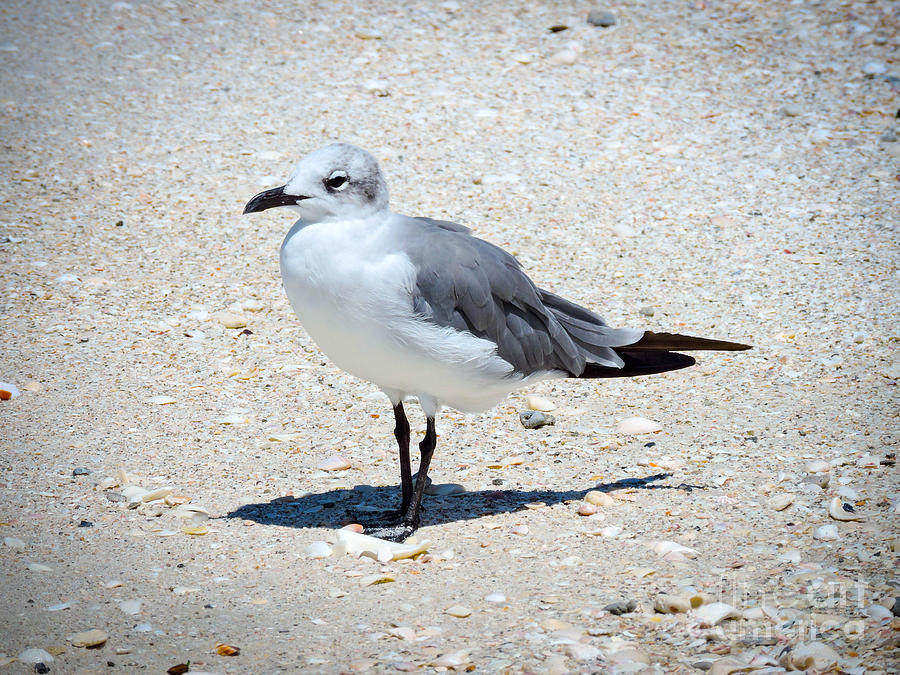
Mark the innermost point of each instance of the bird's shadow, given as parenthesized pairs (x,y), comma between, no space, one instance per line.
(370,505)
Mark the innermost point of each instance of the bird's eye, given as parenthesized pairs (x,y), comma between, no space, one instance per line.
(336,181)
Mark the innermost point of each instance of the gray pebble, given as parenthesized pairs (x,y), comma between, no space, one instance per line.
(791,110)
(647,310)
(889,135)
(81,471)
(115,496)
(599,17)
(534,419)
(621,607)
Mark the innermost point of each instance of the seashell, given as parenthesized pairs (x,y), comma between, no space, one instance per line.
(840,510)
(226,650)
(318,549)
(88,638)
(161,400)
(880,613)
(539,403)
(519,529)
(34,655)
(582,652)
(159,493)
(190,514)
(587,509)
(354,527)
(375,579)
(715,613)
(196,531)
(38,567)
(826,533)
(729,665)
(672,604)
(231,319)
(452,659)
(184,590)
(598,498)
(818,466)
(698,599)
(403,632)
(630,653)
(665,547)
(131,606)
(810,656)
(459,611)
(13,542)
(134,492)
(781,501)
(638,425)
(235,418)
(610,531)
(495,597)
(357,545)
(334,463)
(445,490)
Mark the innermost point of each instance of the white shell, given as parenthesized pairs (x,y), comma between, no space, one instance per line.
(598,498)
(672,604)
(836,510)
(781,501)
(810,656)
(715,613)
(664,547)
(539,403)
(818,466)
(357,545)
(318,549)
(826,533)
(637,425)
(334,463)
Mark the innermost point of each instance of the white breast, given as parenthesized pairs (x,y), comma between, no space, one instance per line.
(352,291)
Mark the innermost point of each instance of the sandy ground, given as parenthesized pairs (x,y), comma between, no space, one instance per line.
(727,169)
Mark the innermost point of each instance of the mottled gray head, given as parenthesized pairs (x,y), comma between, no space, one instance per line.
(337,180)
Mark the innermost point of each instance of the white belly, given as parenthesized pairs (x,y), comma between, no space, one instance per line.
(354,298)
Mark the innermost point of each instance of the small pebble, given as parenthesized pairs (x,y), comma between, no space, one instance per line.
(791,110)
(81,471)
(495,597)
(534,419)
(872,68)
(459,611)
(564,57)
(621,607)
(602,18)
(231,319)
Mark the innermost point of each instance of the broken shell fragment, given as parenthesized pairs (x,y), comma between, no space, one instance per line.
(318,549)
(88,638)
(672,604)
(809,656)
(227,650)
(358,545)
(781,501)
(587,509)
(666,547)
(840,510)
(598,498)
(715,613)
(334,463)
(539,403)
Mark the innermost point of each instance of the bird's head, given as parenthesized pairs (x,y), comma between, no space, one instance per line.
(337,180)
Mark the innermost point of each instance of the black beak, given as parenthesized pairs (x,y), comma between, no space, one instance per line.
(270,199)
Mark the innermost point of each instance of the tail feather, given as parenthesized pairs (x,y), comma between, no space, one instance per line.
(652,342)
(639,363)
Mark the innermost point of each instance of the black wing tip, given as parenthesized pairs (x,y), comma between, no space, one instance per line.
(639,363)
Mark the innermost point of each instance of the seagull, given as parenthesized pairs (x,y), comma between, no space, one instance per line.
(422,308)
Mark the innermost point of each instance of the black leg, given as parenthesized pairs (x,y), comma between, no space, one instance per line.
(401,432)
(426,449)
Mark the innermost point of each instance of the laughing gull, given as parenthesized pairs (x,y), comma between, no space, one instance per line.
(422,308)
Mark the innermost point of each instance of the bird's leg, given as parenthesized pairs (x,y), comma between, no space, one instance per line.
(401,432)
(409,517)
(426,449)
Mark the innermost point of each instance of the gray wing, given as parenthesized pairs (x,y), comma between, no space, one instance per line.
(471,285)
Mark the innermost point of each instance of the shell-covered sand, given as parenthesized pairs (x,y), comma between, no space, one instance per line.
(724,169)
